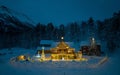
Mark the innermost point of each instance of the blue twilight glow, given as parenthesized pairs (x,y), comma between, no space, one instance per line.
(63,11)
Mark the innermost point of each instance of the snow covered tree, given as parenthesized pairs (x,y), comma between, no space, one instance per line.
(62,30)
(100,29)
(84,30)
(49,30)
(91,27)
(40,31)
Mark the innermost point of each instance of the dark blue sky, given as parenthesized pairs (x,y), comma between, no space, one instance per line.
(63,11)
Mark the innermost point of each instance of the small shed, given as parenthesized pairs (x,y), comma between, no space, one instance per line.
(87,48)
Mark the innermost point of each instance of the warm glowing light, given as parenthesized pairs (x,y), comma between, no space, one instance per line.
(62,38)
(21,57)
(62,52)
(62,58)
(67,47)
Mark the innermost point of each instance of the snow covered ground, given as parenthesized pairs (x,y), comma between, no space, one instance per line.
(91,67)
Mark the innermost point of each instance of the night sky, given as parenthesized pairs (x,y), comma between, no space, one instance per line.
(63,11)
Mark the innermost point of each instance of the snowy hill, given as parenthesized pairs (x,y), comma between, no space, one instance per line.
(12,19)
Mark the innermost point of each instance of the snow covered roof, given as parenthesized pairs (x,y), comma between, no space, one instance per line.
(45,48)
(46,41)
(51,43)
(82,43)
(56,43)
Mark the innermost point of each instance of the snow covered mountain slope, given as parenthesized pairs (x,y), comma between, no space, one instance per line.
(15,19)
(20,16)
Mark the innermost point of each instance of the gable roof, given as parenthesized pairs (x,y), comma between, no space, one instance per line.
(62,45)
